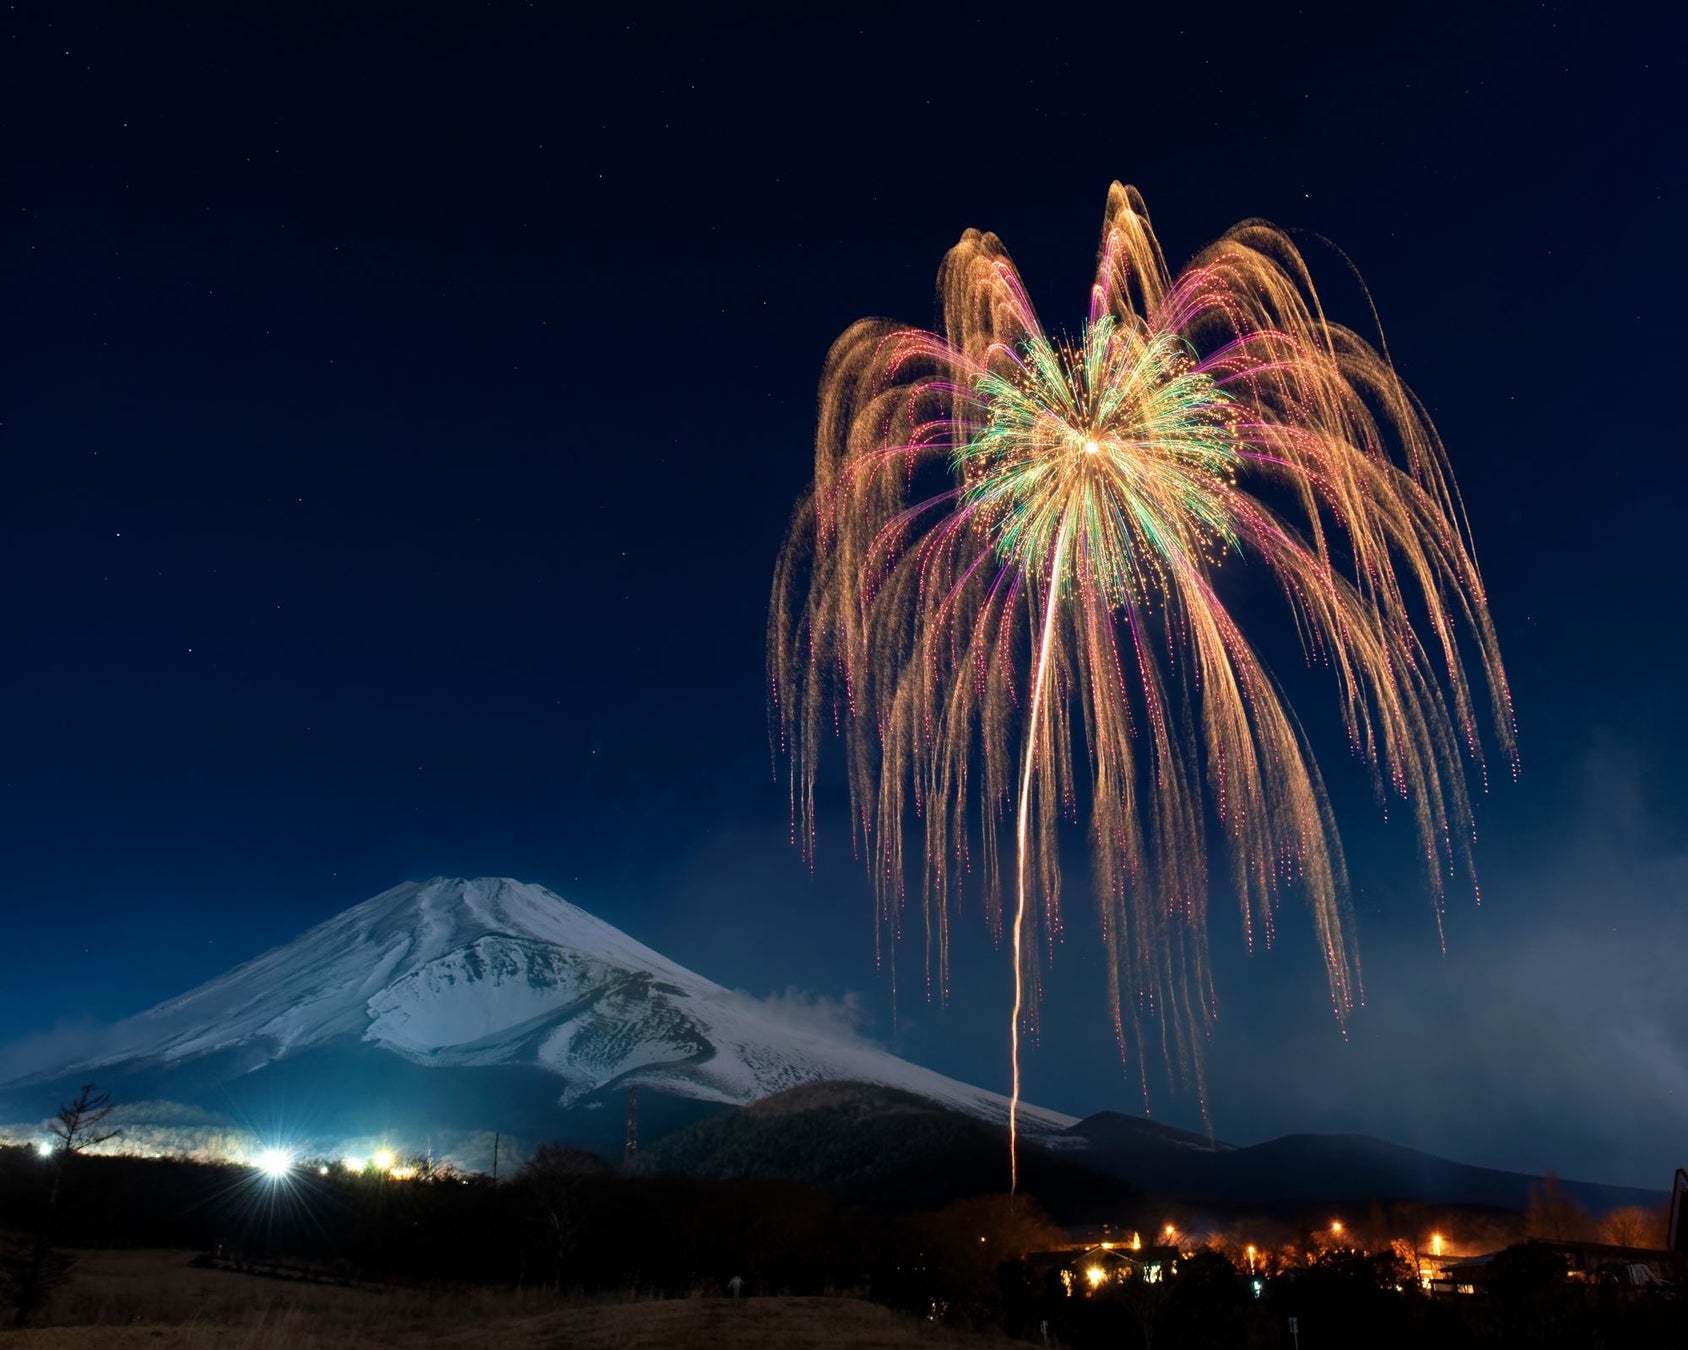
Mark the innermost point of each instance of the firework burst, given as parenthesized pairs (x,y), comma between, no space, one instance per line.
(1003,592)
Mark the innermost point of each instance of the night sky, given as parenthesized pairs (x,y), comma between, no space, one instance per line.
(400,414)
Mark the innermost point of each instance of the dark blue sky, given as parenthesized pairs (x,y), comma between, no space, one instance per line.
(401,409)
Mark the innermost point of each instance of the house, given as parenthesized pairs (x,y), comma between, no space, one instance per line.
(1085,1270)
(1628,1267)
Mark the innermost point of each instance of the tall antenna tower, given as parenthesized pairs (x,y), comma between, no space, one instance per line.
(1677,1239)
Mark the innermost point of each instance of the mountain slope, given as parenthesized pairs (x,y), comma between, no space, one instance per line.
(472,976)
(881,1146)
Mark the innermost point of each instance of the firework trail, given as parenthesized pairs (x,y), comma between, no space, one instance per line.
(1004,592)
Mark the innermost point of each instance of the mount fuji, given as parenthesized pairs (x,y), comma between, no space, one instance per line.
(443,1011)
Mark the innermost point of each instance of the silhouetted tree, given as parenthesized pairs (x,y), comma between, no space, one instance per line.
(1554,1215)
(967,1243)
(552,1180)
(1207,1303)
(77,1126)
(1347,1298)
(34,1269)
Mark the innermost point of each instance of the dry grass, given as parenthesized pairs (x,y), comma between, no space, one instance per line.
(151,1299)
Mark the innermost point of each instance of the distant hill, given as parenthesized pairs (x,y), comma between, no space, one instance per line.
(882,1146)
(1302,1169)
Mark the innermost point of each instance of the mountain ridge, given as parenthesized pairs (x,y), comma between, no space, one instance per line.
(882,1146)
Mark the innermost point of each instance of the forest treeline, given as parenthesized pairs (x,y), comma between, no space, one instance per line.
(570,1223)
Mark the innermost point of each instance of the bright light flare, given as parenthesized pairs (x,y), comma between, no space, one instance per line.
(383,1158)
(1435,1244)
(274,1163)
(352,1163)
(43,1148)
(1095,1274)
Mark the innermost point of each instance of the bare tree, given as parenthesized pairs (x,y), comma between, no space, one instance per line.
(77,1126)
(33,1269)
(1554,1215)
(1633,1226)
(553,1178)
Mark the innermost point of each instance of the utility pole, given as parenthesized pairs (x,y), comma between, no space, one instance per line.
(630,1154)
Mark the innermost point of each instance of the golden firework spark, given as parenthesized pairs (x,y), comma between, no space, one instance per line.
(1003,591)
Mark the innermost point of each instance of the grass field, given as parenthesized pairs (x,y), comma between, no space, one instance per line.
(155,1299)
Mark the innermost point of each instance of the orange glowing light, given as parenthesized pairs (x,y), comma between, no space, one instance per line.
(1095,1275)
(1435,1244)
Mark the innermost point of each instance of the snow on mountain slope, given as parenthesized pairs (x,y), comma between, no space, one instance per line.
(498,972)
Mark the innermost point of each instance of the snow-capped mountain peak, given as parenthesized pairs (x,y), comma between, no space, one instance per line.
(497,972)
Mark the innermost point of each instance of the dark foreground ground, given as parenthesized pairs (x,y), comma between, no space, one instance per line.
(126,1300)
